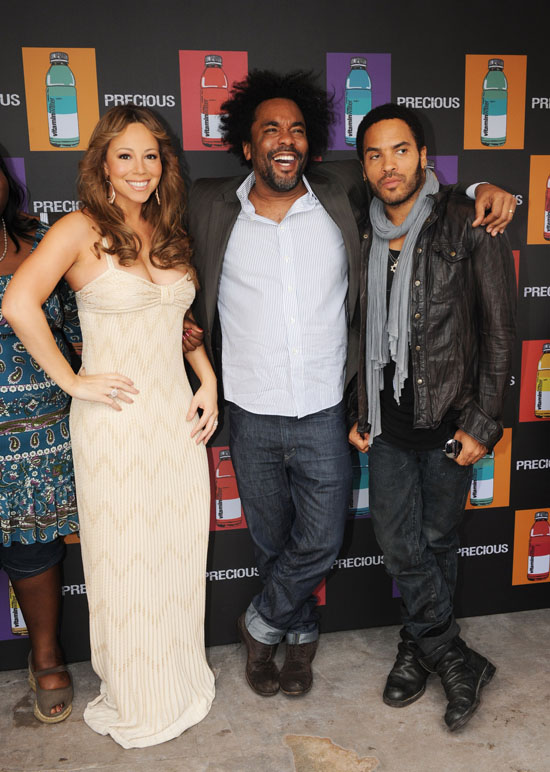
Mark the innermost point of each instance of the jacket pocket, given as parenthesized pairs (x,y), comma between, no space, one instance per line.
(450,272)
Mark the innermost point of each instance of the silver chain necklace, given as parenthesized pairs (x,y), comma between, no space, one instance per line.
(394,262)
(5,252)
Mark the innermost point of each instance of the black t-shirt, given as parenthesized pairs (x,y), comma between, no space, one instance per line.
(398,419)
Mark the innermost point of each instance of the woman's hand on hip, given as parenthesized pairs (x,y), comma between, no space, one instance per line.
(109,388)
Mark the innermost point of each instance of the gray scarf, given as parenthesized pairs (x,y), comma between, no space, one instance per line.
(388,330)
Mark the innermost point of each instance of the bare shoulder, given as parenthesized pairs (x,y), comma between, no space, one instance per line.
(75,232)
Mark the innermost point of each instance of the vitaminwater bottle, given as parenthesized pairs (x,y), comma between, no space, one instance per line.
(542,393)
(18,624)
(547,211)
(213,94)
(61,102)
(228,503)
(538,563)
(359,501)
(494,105)
(358,97)
(483,480)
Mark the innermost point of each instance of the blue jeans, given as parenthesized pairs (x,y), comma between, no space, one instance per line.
(294,479)
(417,500)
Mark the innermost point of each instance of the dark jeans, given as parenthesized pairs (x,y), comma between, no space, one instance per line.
(294,479)
(417,499)
(23,561)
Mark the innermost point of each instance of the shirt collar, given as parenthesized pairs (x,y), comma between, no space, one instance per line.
(308,201)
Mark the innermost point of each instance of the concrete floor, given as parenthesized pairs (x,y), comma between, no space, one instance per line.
(342,725)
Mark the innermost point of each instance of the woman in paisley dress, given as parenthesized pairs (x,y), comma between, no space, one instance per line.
(138,441)
(37,493)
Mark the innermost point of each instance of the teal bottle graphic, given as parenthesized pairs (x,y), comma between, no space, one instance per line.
(358,97)
(494,105)
(61,102)
(359,502)
(483,481)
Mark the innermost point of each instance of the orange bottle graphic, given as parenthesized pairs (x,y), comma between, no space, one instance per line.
(214,93)
(538,562)
(547,211)
(229,512)
(542,389)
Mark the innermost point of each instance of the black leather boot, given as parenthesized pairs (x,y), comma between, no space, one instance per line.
(407,679)
(296,677)
(463,673)
(262,674)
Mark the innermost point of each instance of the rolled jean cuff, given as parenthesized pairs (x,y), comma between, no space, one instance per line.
(260,630)
(294,638)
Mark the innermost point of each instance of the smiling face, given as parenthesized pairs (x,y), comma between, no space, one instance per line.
(278,147)
(392,164)
(133,165)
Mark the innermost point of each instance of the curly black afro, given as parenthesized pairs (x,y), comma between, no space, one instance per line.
(299,86)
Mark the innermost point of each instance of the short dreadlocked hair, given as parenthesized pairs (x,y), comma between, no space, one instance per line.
(260,85)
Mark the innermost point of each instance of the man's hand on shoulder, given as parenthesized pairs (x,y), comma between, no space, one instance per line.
(472,450)
(494,208)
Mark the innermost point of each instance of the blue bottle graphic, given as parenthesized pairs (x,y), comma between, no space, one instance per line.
(494,105)
(359,502)
(61,102)
(358,101)
(483,481)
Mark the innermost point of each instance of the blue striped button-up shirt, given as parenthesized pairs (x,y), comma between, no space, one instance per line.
(282,307)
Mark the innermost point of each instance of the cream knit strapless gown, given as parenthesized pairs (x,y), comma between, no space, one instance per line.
(143,500)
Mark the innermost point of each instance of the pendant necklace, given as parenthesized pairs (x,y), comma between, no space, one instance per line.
(5,252)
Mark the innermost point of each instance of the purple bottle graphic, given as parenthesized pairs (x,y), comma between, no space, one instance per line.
(359,501)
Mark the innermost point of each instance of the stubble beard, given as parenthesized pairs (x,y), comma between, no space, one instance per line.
(412,188)
(281,184)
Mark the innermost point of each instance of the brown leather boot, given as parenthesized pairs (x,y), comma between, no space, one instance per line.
(296,677)
(262,674)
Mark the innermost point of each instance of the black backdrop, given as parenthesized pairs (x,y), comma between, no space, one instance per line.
(438,57)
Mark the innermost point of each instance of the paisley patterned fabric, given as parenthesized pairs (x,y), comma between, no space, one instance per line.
(37,494)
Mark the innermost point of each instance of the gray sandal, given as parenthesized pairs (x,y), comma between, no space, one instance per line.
(46,699)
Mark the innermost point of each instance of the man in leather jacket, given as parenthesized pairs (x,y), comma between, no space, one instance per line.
(278,255)
(437,323)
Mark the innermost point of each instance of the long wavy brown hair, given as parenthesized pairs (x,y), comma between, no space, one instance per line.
(169,242)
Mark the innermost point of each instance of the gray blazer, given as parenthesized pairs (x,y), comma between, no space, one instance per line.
(213,210)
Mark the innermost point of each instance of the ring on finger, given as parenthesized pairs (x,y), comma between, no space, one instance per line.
(113,393)
(511,211)
(215,423)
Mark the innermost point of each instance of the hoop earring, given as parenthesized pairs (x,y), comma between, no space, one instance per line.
(111,195)
(157,195)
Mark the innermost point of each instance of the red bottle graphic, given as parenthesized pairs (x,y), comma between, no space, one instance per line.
(547,211)
(229,512)
(214,93)
(538,563)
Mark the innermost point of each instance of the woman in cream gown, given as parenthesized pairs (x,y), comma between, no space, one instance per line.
(138,443)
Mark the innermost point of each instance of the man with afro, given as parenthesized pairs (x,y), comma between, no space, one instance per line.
(278,255)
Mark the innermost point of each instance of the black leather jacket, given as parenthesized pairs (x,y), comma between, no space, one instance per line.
(463,298)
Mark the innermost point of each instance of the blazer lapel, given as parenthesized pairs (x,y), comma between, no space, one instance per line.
(223,215)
